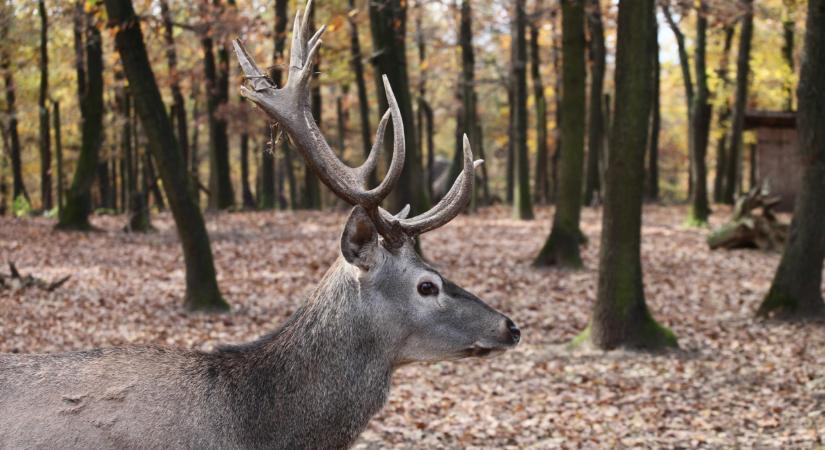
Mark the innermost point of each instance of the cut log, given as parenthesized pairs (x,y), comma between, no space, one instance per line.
(753,224)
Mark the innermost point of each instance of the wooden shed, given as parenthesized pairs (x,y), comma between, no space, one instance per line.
(778,164)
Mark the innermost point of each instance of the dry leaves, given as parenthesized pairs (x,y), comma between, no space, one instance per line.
(736,382)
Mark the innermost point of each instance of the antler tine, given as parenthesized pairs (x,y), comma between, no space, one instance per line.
(450,206)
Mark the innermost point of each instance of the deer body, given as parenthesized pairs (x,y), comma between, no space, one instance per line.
(313,383)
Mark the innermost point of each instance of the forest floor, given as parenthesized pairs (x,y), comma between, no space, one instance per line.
(735,382)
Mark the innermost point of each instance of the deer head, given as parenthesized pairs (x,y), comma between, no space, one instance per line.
(419,314)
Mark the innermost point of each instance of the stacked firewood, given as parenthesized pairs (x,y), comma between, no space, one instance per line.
(753,224)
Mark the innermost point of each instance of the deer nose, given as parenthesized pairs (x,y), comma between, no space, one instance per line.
(515,333)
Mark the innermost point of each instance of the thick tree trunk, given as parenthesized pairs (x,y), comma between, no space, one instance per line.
(45,137)
(179,106)
(700,113)
(542,184)
(18,186)
(562,246)
(620,316)
(796,291)
(217,96)
(201,284)
(652,178)
(75,215)
(734,165)
(522,205)
(595,129)
(388,25)
(723,118)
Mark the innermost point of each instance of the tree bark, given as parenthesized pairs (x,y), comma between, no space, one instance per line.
(542,185)
(246,191)
(595,129)
(18,186)
(58,153)
(201,284)
(620,316)
(522,204)
(700,120)
(75,215)
(562,246)
(217,90)
(511,142)
(652,178)
(45,137)
(194,154)
(388,25)
(734,164)
(723,118)
(179,106)
(796,291)
(788,34)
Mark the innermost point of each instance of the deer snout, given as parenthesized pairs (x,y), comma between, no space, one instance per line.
(512,331)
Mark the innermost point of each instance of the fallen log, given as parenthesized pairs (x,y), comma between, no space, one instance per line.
(15,280)
(752,225)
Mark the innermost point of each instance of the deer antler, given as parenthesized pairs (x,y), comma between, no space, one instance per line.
(289,106)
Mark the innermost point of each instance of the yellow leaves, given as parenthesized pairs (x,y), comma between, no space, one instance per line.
(336,22)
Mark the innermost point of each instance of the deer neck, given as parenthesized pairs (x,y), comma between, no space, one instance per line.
(322,375)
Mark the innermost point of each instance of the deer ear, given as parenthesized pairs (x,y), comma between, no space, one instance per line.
(359,242)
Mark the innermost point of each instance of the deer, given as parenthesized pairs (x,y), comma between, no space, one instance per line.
(316,381)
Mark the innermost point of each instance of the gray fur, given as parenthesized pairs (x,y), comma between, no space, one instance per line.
(313,383)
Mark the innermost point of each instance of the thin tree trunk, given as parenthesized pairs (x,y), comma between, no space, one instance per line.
(542,184)
(58,149)
(246,191)
(700,113)
(788,32)
(388,25)
(179,106)
(522,205)
(357,65)
(75,215)
(796,291)
(555,56)
(723,119)
(45,138)
(511,142)
(652,177)
(734,164)
(595,129)
(201,283)
(194,155)
(620,316)
(562,246)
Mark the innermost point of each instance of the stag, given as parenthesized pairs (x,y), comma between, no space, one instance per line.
(317,380)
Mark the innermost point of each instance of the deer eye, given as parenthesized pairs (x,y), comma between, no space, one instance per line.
(427,288)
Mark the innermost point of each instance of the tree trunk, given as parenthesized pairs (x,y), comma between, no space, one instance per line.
(357,65)
(562,246)
(723,118)
(652,178)
(246,191)
(388,25)
(700,113)
(201,284)
(595,130)
(217,96)
(58,153)
(194,154)
(620,316)
(734,164)
(542,186)
(312,187)
(796,291)
(18,186)
(522,205)
(555,56)
(75,215)
(45,138)
(788,25)
(179,106)
(511,142)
